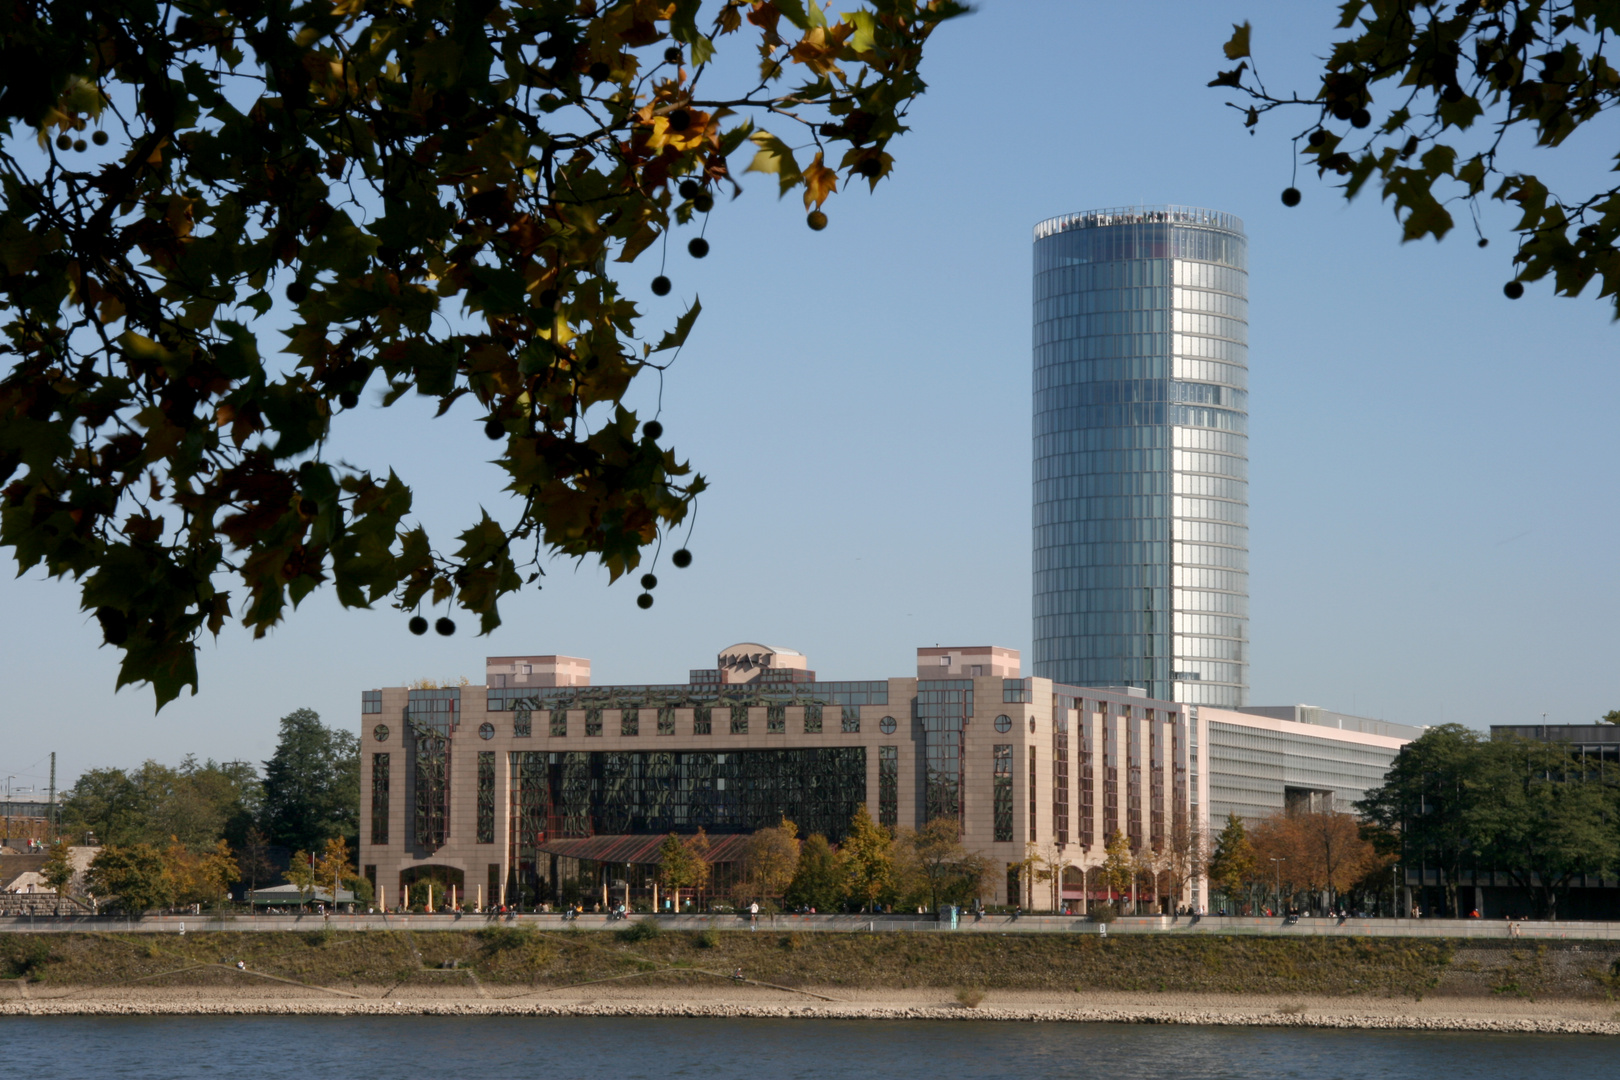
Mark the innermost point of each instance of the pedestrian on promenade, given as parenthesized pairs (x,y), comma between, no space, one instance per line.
(753,915)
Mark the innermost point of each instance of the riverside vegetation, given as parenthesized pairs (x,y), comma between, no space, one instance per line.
(667,960)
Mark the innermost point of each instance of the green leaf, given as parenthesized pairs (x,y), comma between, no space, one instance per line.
(1237,46)
(775,157)
(675,338)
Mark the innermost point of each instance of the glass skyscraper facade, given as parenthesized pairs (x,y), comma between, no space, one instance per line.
(1141,452)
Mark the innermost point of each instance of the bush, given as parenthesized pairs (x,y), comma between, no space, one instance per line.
(968,997)
(707,939)
(501,938)
(643,930)
(24,957)
(1103,913)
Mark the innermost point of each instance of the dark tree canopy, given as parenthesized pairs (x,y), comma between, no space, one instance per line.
(311,783)
(1455,800)
(224,223)
(1433,98)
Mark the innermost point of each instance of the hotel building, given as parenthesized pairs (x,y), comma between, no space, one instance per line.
(539,782)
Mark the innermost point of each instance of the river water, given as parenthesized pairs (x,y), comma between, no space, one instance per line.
(413,1048)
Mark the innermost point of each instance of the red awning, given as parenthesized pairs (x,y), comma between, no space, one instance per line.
(639,849)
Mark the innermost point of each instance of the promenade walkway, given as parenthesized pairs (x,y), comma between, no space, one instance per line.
(989,924)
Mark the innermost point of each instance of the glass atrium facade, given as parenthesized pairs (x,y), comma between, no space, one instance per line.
(1141,452)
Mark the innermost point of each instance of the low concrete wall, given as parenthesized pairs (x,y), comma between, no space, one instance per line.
(997,924)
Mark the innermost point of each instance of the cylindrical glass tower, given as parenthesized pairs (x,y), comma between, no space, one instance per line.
(1141,452)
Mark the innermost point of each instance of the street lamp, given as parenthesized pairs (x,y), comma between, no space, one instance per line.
(9,779)
(1279,863)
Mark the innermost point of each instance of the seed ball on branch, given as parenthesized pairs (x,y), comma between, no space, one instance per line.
(1318,137)
(1484,242)
(418,625)
(699,247)
(598,71)
(654,430)
(649,582)
(679,120)
(348,399)
(1360,118)
(703,203)
(690,189)
(308,507)
(1290,196)
(816,220)
(494,429)
(445,625)
(644,601)
(80,146)
(672,55)
(1513,290)
(296,291)
(99,138)
(682,558)
(64,141)
(660,285)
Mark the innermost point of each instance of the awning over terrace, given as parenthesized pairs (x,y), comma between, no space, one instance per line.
(642,850)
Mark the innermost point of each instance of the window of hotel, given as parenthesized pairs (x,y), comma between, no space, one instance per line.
(629,721)
(852,719)
(530,780)
(886,725)
(1060,778)
(1032,811)
(652,792)
(942,709)
(889,786)
(559,723)
(812,719)
(702,720)
(380,733)
(739,719)
(379,799)
(1003,795)
(1004,724)
(522,724)
(593,720)
(486,796)
(666,719)
(486,731)
(370,702)
(776,719)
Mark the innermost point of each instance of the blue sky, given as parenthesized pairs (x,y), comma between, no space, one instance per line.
(1433,497)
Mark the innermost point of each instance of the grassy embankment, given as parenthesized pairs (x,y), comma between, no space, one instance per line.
(498,956)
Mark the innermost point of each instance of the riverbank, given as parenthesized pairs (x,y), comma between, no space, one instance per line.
(641,971)
(740,1002)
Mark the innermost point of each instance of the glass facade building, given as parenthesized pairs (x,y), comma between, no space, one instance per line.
(1141,452)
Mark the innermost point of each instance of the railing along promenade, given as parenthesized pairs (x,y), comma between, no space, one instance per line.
(1185,925)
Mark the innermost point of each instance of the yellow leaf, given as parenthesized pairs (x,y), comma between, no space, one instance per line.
(819,182)
(775,157)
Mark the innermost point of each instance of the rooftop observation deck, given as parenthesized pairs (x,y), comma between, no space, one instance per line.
(1141,215)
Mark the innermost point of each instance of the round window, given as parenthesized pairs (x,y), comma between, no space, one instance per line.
(1003,723)
(886,725)
(1032,725)
(486,731)
(380,733)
